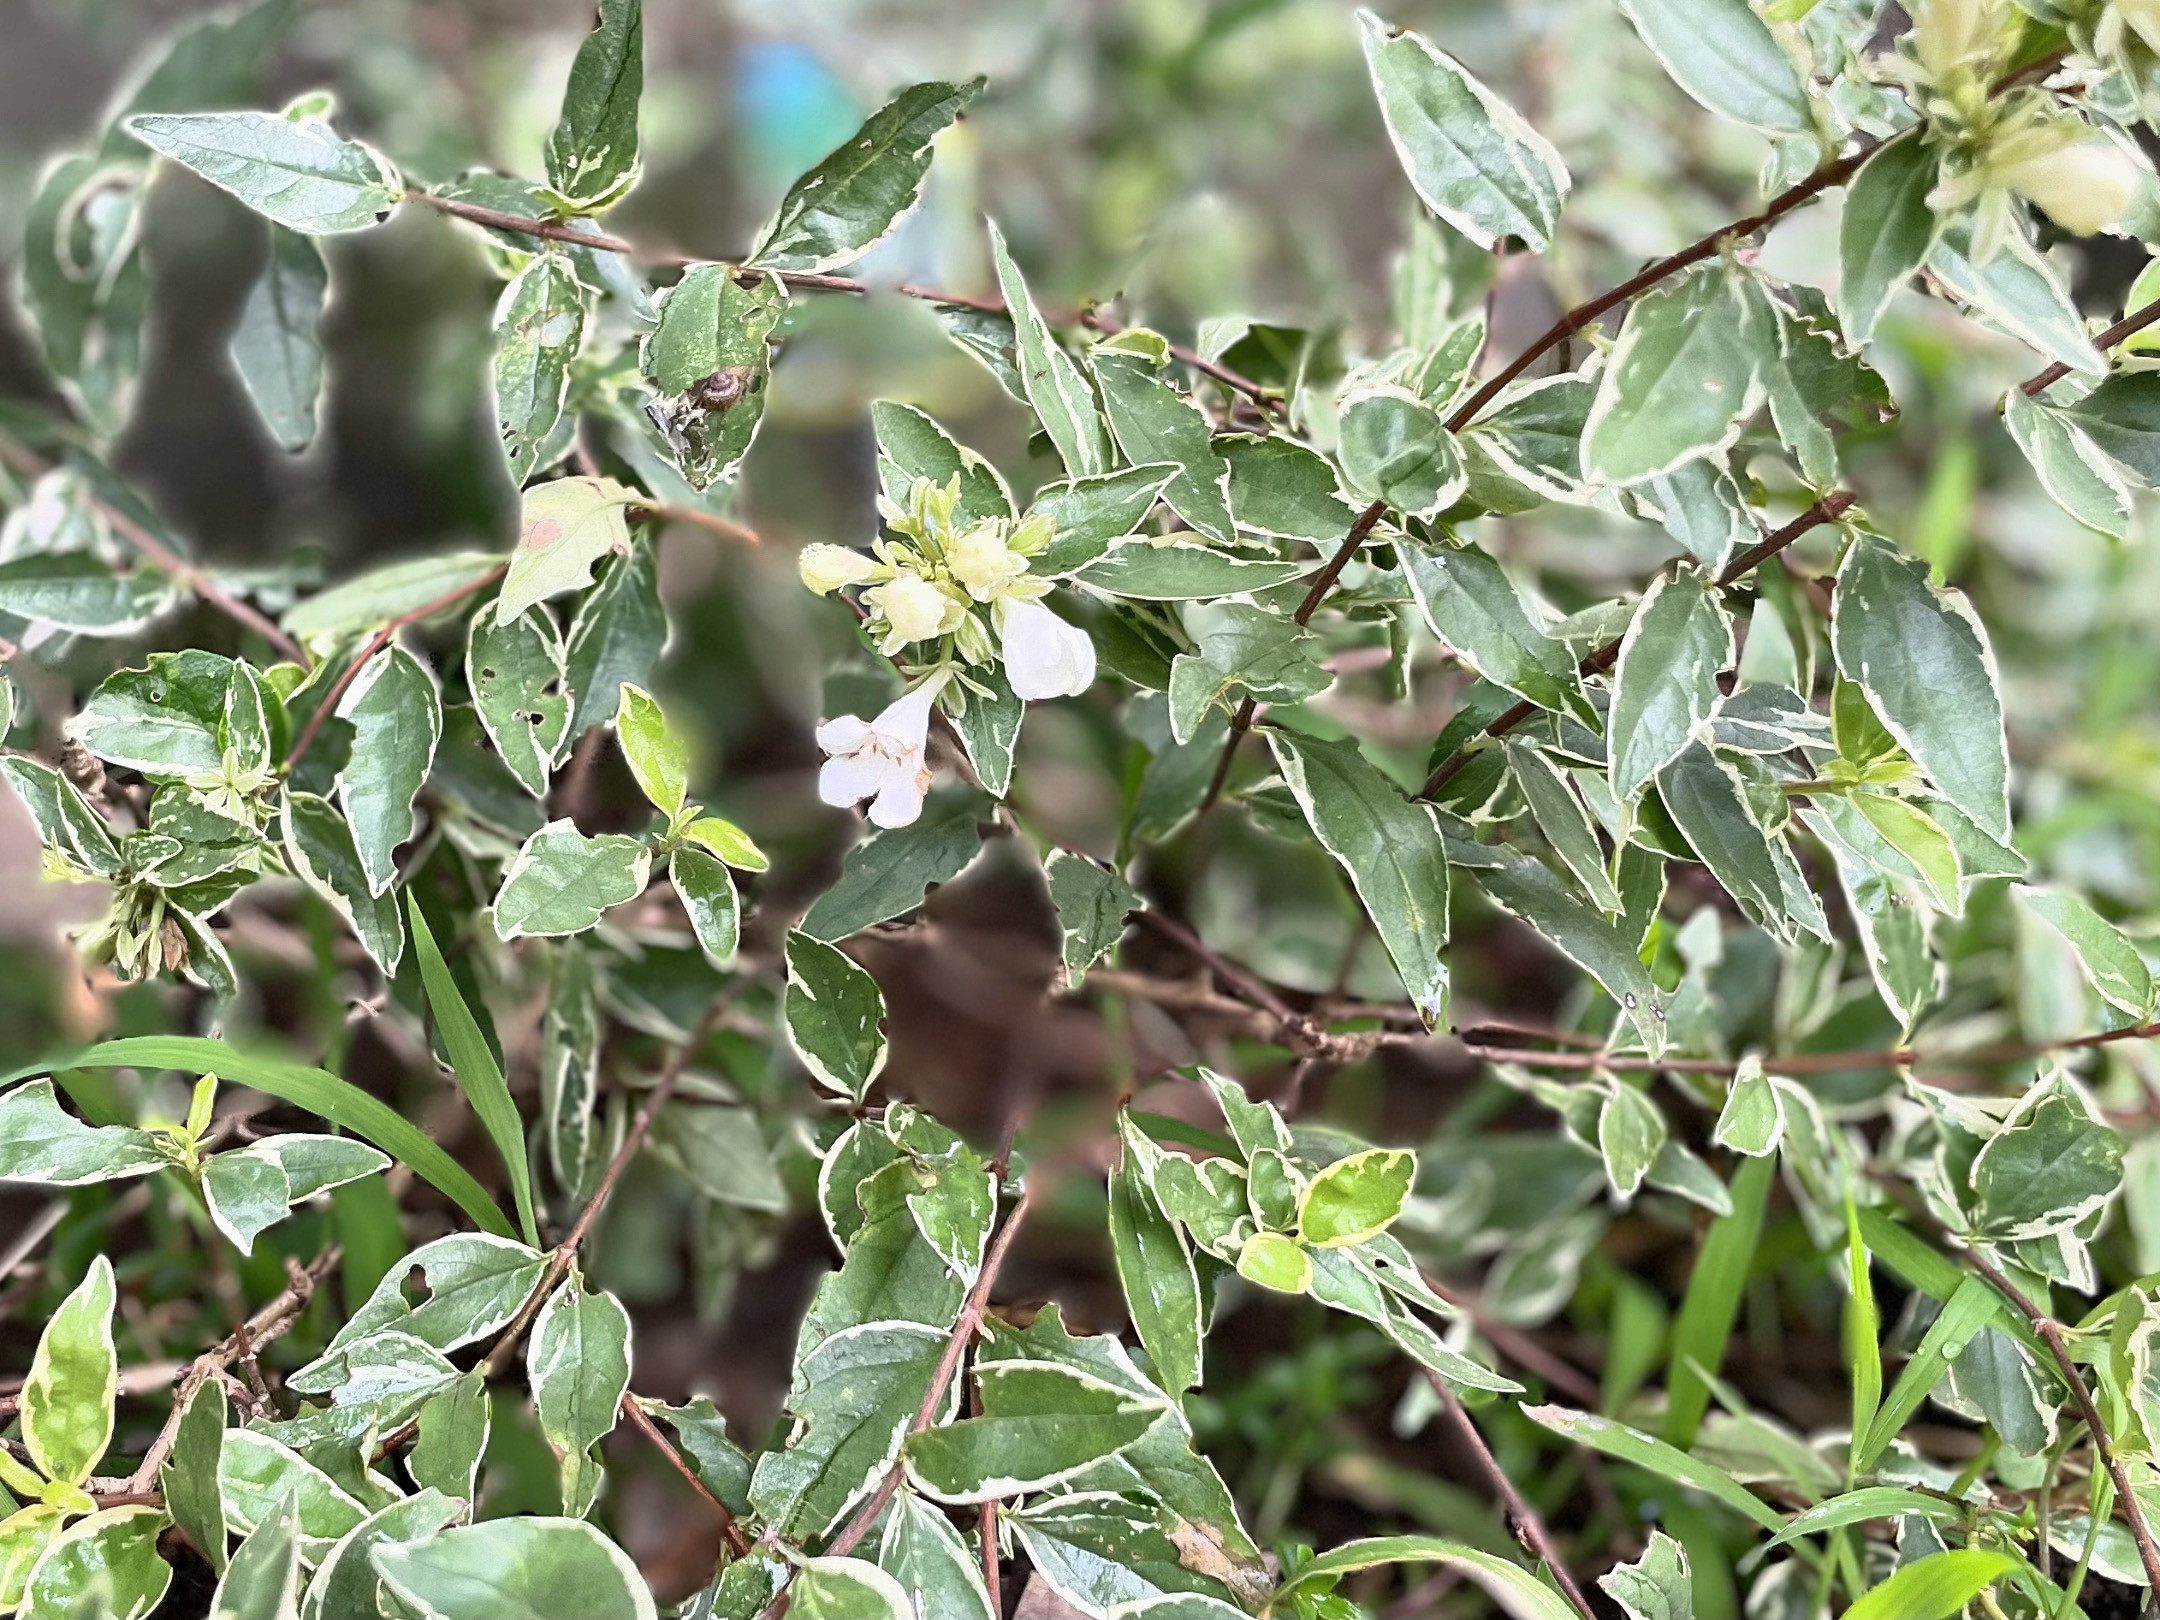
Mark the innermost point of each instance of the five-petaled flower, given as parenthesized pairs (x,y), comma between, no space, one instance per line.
(881,759)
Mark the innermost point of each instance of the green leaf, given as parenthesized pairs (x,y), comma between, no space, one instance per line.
(1713,1298)
(616,637)
(472,1060)
(1092,904)
(2050,1167)
(1268,655)
(275,347)
(1631,1134)
(1916,836)
(1356,1198)
(1513,1587)
(1709,804)
(518,678)
(720,837)
(80,592)
(1473,607)
(1276,1262)
(592,153)
(562,882)
(564,528)
(1390,848)
(1041,1423)
(1093,514)
(1686,374)
(1972,1307)
(319,848)
(1599,945)
(296,171)
(1564,821)
(1395,448)
(1725,56)
(111,1555)
(707,892)
(395,711)
(922,1551)
(889,873)
(475,1283)
(84,282)
(383,594)
(1655,1586)
(1886,232)
(539,324)
(43,1143)
(1179,571)
(655,753)
(1632,1446)
(1155,1271)
(188,1476)
(2019,291)
(68,1394)
(318,1091)
(834,1009)
(579,1364)
(453,1428)
(846,1589)
(856,1393)
(1665,684)
(708,357)
(258,1477)
(2077,475)
(1471,158)
(2122,417)
(1098,1550)
(2110,961)
(535,1566)
(165,720)
(1922,659)
(1753,1118)
(1936,1587)
(346,1583)
(1892,930)
(911,445)
(860,190)
(1283,490)
(1055,386)
(1869,1502)
(263,1580)
(1153,424)
(248,1189)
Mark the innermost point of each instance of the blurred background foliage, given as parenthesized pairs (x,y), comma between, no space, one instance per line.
(1190,161)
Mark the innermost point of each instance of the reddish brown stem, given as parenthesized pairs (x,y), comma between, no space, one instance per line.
(730,1531)
(1529,1527)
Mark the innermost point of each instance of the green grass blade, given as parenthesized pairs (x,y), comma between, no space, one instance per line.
(1628,1445)
(1973,1307)
(1936,1587)
(317,1090)
(1863,1329)
(478,1074)
(1713,1301)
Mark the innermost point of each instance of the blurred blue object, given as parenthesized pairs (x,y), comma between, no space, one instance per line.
(792,109)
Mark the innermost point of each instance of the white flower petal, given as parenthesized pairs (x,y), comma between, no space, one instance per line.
(906,720)
(900,800)
(851,778)
(843,734)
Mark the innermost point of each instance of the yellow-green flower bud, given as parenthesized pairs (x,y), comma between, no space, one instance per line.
(826,568)
(2083,188)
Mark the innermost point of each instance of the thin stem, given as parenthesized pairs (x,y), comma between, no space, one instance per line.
(2051,1334)
(641,1420)
(566,1252)
(1529,1527)
(956,1344)
(381,639)
(27,462)
(2128,327)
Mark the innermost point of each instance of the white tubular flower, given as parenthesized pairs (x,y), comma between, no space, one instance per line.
(913,609)
(826,568)
(1044,656)
(881,760)
(2084,188)
(981,560)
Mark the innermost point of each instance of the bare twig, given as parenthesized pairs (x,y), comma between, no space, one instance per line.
(956,1344)
(27,462)
(2128,327)
(1529,1527)
(2051,1334)
(730,1531)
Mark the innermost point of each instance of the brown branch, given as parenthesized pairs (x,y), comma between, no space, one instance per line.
(20,459)
(1529,1527)
(956,1344)
(381,639)
(2051,1334)
(641,1420)
(2128,327)
(249,1337)
(807,281)
(1829,508)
